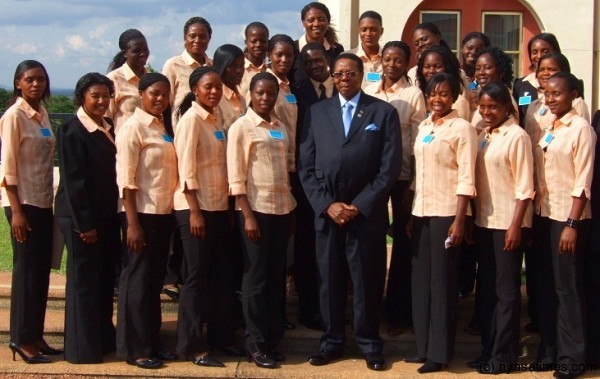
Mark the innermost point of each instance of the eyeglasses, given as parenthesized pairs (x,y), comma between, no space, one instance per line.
(340,75)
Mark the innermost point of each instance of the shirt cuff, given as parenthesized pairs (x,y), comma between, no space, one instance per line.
(9,180)
(580,190)
(465,190)
(190,184)
(524,195)
(127,186)
(237,189)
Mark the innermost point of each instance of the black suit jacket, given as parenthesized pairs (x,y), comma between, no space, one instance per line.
(357,169)
(306,96)
(519,89)
(87,191)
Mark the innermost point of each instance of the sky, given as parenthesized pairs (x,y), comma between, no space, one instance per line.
(74,37)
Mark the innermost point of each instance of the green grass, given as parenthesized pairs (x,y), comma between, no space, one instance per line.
(6,254)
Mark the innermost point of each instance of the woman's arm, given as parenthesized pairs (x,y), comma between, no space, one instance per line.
(250,223)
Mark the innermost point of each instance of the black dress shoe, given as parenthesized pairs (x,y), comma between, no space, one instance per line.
(38,358)
(48,350)
(430,366)
(477,362)
(375,362)
(166,356)
(233,351)
(276,356)
(147,363)
(544,364)
(492,368)
(208,361)
(566,374)
(288,325)
(415,360)
(323,357)
(262,360)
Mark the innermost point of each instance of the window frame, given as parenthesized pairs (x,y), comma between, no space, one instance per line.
(518,53)
(458,14)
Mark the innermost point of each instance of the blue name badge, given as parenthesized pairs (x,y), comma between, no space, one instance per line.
(524,100)
(167,138)
(290,98)
(483,144)
(428,138)
(276,134)
(373,76)
(472,85)
(219,135)
(542,111)
(45,132)
(549,137)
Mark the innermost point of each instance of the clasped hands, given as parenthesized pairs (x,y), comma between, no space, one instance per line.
(342,213)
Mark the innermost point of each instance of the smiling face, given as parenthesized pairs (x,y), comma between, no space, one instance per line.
(96,100)
(282,58)
(257,42)
(440,100)
(394,63)
(196,40)
(433,64)
(347,77)
(422,39)
(369,32)
(558,97)
(155,98)
(315,25)
(547,68)
(469,49)
(315,65)
(32,85)
(485,70)
(208,91)
(136,53)
(539,48)
(263,97)
(493,112)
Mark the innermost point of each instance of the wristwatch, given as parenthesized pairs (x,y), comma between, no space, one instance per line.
(572,223)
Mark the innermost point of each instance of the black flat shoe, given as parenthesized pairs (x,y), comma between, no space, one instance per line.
(415,360)
(430,366)
(233,351)
(172,291)
(376,362)
(276,356)
(208,361)
(166,356)
(146,363)
(323,357)
(38,358)
(262,360)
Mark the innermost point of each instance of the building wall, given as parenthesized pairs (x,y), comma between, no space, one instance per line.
(575,23)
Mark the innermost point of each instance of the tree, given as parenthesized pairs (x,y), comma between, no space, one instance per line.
(60,104)
(4,97)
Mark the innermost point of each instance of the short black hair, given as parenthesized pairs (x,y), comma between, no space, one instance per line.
(451,64)
(499,93)
(439,78)
(503,62)
(197,20)
(19,71)
(353,57)
(476,35)
(371,14)
(573,83)
(88,80)
(563,62)
(256,25)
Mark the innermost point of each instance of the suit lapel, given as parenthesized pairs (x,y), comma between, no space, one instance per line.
(360,115)
(335,115)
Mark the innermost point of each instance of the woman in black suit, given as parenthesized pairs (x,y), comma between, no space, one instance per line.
(86,207)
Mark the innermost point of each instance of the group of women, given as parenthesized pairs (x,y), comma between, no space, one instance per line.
(209,136)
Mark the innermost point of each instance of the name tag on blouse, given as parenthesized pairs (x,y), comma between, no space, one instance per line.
(373,76)
(168,138)
(545,141)
(290,98)
(428,138)
(524,100)
(276,134)
(219,135)
(46,132)
(483,144)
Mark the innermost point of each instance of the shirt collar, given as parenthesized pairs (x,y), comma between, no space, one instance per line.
(203,113)
(532,79)
(353,101)
(282,84)
(128,72)
(228,92)
(449,119)
(249,66)
(302,41)
(89,124)
(30,112)
(256,120)
(502,129)
(566,119)
(328,83)
(190,61)
(360,52)
(147,119)
(396,87)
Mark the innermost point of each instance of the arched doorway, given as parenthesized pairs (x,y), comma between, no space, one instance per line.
(508,23)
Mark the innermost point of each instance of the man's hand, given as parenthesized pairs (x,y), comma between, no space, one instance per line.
(341,213)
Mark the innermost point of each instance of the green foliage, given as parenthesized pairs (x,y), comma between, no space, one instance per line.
(4,97)
(60,104)
(149,68)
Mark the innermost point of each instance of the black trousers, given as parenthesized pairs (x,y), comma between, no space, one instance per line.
(359,249)
(434,288)
(139,313)
(207,291)
(89,330)
(263,283)
(305,258)
(592,288)
(499,296)
(31,276)
(398,300)
(570,292)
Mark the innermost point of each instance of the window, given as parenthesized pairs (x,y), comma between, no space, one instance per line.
(449,24)
(505,30)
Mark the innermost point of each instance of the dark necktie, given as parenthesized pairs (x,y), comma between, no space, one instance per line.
(323,94)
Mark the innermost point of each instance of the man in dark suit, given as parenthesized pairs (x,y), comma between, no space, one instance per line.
(350,152)
(316,87)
